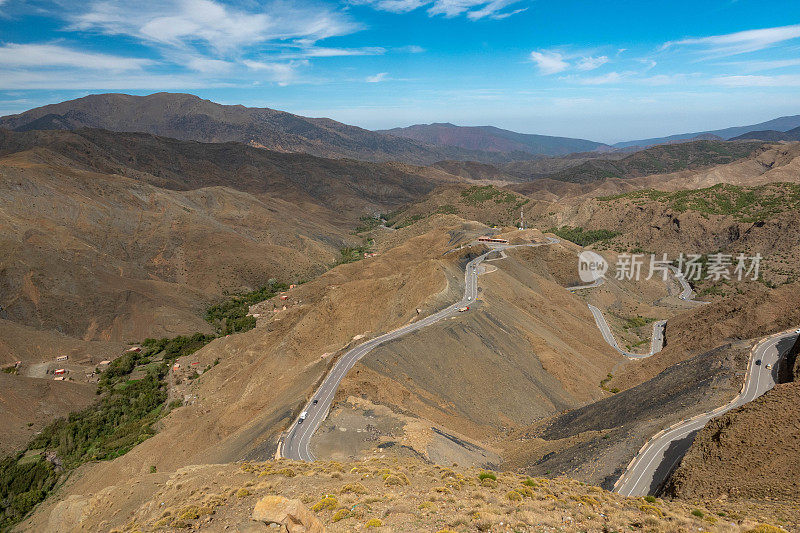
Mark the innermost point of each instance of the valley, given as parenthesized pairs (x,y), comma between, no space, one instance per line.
(231,311)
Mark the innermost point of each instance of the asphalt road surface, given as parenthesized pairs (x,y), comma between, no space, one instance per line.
(656,342)
(295,445)
(658,458)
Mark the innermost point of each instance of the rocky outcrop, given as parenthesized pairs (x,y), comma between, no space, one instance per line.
(292,515)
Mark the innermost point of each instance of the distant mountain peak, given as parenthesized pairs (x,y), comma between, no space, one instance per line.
(188,117)
(493,139)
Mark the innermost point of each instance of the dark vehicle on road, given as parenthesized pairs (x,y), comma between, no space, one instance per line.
(758,361)
(315,402)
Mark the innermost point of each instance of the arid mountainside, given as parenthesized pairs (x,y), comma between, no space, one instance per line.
(656,160)
(383,495)
(780,124)
(256,381)
(353,186)
(187,117)
(505,363)
(771,135)
(751,453)
(27,404)
(30,398)
(492,139)
(162,227)
(758,164)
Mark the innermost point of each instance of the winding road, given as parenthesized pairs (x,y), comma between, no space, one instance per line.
(656,460)
(295,445)
(646,472)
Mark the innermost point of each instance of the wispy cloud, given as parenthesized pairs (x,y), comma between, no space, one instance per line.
(604,79)
(785,80)
(282,73)
(737,43)
(555,61)
(377,78)
(53,55)
(394,6)
(759,66)
(338,52)
(207,37)
(549,62)
(472,9)
(591,63)
(410,49)
(105,80)
(206,23)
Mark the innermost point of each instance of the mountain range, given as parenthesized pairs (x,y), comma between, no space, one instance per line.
(188,117)
(780,124)
(492,139)
(770,135)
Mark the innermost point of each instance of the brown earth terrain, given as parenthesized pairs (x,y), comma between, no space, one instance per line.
(385,495)
(30,398)
(188,117)
(528,350)
(28,404)
(750,453)
(147,252)
(239,406)
(114,237)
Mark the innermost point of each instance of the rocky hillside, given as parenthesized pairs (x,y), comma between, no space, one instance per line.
(144,232)
(770,135)
(655,160)
(492,139)
(750,453)
(779,124)
(380,495)
(187,117)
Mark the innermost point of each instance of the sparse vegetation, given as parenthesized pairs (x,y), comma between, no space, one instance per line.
(478,194)
(487,475)
(231,316)
(368,223)
(745,204)
(583,237)
(353,254)
(637,322)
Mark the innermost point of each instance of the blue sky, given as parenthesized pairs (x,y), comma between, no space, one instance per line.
(606,71)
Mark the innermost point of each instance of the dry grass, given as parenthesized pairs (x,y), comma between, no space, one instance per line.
(404,495)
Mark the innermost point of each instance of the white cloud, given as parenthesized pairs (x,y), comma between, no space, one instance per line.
(561,59)
(410,49)
(757,66)
(377,78)
(396,6)
(98,80)
(591,63)
(208,66)
(611,77)
(739,42)
(549,62)
(786,80)
(52,55)
(281,73)
(340,52)
(206,23)
(472,9)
